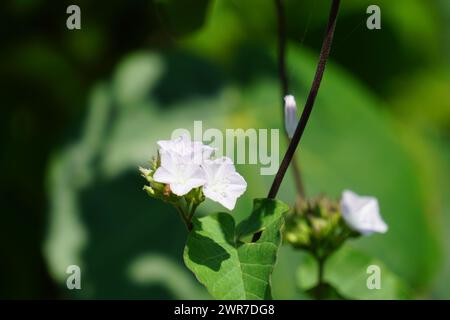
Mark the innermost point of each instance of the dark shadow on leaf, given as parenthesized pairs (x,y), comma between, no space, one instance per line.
(251,64)
(254,223)
(375,67)
(205,251)
(122,225)
(186,76)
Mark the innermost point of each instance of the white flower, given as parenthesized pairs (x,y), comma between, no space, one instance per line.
(290,115)
(193,151)
(362,213)
(181,175)
(223,183)
(180,164)
(186,165)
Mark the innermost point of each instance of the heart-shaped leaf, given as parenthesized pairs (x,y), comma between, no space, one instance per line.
(228,267)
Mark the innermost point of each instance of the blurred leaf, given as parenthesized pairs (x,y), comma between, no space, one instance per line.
(182,17)
(229,268)
(425,91)
(442,167)
(135,76)
(346,271)
(307,276)
(153,268)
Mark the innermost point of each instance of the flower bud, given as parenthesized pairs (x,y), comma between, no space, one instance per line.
(317,226)
(362,213)
(145,172)
(149,191)
(290,115)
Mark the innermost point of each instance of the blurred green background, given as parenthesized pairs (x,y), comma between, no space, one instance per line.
(82,109)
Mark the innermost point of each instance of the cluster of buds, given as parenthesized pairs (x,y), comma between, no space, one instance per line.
(320,226)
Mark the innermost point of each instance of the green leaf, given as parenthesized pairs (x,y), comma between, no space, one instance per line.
(266,212)
(347,273)
(228,267)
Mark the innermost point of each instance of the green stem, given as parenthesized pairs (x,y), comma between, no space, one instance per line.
(319,292)
(320,271)
(192,211)
(184,217)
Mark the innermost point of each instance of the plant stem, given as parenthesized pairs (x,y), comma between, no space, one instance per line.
(192,212)
(320,290)
(320,270)
(324,54)
(183,217)
(284,82)
(323,57)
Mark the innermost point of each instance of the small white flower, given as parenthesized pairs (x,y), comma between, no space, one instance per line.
(182,176)
(223,183)
(186,164)
(193,151)
(180,164)
(362,213)
(290,115)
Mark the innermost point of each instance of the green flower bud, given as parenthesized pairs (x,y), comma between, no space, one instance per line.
(317,226)
(150,191)
(145,172)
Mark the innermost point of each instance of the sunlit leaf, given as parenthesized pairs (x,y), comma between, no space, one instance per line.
(228,267)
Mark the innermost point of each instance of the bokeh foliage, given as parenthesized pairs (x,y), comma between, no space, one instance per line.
(86,107)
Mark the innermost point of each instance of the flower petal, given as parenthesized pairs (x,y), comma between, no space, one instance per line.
(162,175)
(223,183)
